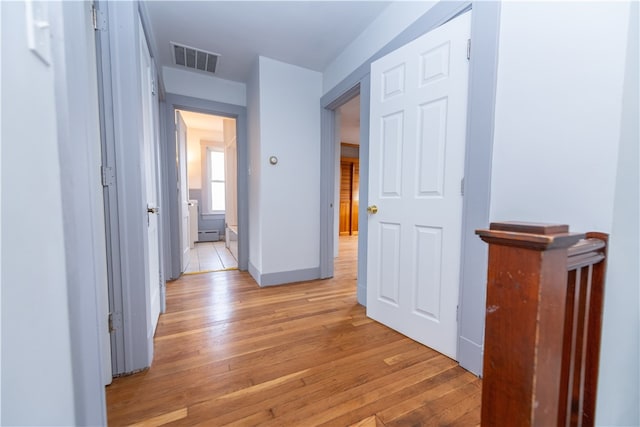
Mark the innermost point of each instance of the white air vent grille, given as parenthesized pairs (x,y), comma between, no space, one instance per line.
(196,59)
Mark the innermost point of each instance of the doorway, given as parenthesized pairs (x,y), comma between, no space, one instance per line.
(348,176)
(207,152)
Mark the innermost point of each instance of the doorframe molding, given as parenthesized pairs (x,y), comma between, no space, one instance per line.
(78,140)
(168,154)
(485,23)
(483,79)
(125,207)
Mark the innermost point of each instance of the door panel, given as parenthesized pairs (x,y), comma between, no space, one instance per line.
(149,159)
(183,189)
(431,148)
(349,193)
(355,196)
(389,263)
(345,197)
(428,259)
(391,138)
(417,149)
(231,173)
(344,218)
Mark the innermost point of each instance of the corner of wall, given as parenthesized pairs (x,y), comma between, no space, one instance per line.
(361,295)
(254,154)
(255,273)
(619,376)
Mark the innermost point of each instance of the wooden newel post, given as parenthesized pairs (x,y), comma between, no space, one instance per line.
(523,345)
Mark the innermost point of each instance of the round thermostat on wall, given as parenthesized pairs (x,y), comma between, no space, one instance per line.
(273,160)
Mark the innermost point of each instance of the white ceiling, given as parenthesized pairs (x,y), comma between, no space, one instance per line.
(309,34)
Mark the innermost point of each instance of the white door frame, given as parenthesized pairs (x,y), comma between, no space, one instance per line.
(78,139)
(124,184)
(480,119)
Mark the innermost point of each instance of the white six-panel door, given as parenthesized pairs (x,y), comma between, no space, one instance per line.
(149,158)
(183,187)
(417,150)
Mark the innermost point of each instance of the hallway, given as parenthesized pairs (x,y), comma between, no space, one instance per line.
(229,352)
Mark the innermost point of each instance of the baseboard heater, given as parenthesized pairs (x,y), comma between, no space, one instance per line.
(208,236)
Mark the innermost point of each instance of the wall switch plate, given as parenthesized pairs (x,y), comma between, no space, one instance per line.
(38,29)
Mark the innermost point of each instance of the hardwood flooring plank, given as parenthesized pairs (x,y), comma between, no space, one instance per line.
(228,352)
(453,415)
(437,412)
(163,419)
(371,421)
(323,381)
(322,411)
(447,382)
(394,399)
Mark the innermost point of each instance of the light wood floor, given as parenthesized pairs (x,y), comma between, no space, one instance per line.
(230,353)
(210,256)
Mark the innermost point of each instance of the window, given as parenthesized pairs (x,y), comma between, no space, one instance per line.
(215,182)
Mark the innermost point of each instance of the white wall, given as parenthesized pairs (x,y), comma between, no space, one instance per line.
(350,135)
(37,378)
(197,85)
(557,135)
(290,130)
(391,22)
(194,152)
(287,198)
(77,108)
(620,356)
(558,109)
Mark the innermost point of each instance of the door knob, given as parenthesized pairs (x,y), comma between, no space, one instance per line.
(152,210)
(373,209)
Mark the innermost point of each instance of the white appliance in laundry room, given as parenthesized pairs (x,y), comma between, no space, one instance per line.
(193,223)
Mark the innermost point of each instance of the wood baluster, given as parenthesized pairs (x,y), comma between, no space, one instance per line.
(543,325)
(583,282)
(594,331)
(564,410)
(526,296)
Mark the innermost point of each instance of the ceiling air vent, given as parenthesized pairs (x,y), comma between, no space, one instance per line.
(196,59)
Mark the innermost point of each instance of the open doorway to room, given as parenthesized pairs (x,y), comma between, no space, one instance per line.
(208,178)
(348,178)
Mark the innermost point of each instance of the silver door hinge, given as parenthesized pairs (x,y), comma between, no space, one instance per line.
(468,48)
(462,187)
(98,20)
(94,17)
(153,87)
(111,328)
(108,176)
